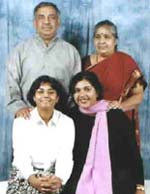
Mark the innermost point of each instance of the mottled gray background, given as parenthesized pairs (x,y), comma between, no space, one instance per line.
(78,18)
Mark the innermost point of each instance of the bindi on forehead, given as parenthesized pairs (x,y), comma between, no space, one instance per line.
(105,30)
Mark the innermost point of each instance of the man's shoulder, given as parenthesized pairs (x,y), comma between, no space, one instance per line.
(24,43)
(66,44)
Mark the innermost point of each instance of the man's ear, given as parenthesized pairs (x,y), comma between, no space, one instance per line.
(34,23)
(58,22)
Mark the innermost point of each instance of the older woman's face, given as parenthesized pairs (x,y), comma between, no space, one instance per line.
(85,94)
(104,41)
(45,97)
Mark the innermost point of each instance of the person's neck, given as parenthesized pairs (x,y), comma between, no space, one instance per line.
(46,115)
(100,58)
(96,58)
(47,41)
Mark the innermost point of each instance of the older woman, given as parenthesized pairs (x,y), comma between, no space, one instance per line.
(106,156)
(118,72)
(42,150)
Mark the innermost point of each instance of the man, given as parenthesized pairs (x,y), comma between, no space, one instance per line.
(43,54)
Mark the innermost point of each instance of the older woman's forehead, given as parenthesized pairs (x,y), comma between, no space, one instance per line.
(106,28)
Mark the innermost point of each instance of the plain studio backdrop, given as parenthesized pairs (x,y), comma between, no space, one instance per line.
(78,17)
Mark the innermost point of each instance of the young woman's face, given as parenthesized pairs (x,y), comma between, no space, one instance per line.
(85,94)
(104,41)
(45,97)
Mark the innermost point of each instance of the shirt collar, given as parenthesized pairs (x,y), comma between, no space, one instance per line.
(40,40)
(37,119)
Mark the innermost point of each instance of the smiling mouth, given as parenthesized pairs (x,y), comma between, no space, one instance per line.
(83,101)
(102,47)
(47,26)
(45,101)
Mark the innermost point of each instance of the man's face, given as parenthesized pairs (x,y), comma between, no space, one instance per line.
(46,22)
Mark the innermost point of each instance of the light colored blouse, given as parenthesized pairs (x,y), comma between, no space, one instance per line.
(39,145)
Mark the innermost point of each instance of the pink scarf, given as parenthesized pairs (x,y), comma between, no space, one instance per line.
(96,175)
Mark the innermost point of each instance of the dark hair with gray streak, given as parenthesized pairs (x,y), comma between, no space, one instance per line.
(46,4)
(111,25)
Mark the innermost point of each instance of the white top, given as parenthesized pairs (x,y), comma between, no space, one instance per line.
(3,187)
(37,144)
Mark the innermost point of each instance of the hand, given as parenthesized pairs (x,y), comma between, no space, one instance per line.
(140,189)
(136,73)
(139,192)
(23,112)
(35,182)
(45,184)
(114,105)
(50,183)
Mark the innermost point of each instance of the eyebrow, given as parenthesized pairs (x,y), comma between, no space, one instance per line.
(89,86)
(45,88)
(42,14)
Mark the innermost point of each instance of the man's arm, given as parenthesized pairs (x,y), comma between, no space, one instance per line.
(77,62)
(14,93)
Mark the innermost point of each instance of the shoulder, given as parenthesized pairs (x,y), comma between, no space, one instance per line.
(114,114)
(23,45)
(125,61)
(20,126)
(63,117)
(22,121)
(86,62)
(74,112)
(124,56)
(64,124)
(118,119)
(66,44)
(86,58)
(80,119)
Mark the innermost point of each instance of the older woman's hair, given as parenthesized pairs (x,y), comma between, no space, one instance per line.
(46,4)
(91,78)
(55,84)
(107,23)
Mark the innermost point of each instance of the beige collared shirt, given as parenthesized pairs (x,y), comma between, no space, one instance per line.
(32,59)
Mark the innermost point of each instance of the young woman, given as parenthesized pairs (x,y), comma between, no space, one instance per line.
(42,150)
(106,156)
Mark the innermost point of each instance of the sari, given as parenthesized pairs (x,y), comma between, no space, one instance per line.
(115,74)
